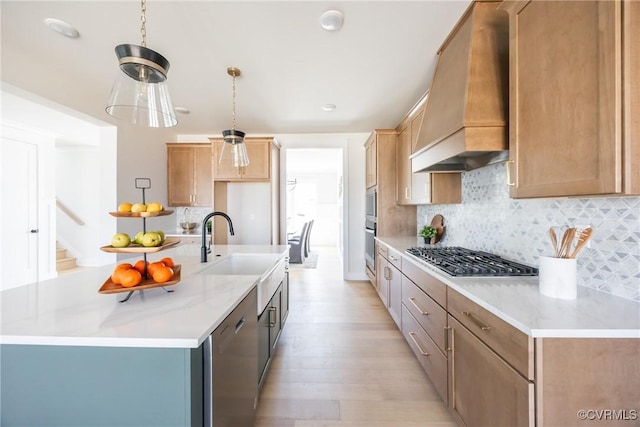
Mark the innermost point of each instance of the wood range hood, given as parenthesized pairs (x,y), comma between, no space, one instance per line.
(466,116)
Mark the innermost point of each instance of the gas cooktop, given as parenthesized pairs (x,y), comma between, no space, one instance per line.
(457,261)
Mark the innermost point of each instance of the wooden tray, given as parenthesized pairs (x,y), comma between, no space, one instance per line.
(136,248)
(140,214)
(108,287)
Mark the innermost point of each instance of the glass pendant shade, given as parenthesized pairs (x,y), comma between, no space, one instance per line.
(140,94)
(239,155)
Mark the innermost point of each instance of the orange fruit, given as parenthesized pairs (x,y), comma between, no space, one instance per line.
(117,272)
(168,262)
(153,267)
(124,265)
(140,266)
(162,274)
(131,277)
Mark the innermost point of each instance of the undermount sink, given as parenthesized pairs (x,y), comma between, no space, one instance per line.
(243,264)
(270,267)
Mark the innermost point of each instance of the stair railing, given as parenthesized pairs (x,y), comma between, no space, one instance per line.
(69,213)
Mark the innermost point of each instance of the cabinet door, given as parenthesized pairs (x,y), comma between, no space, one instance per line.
(202,181)
(180,170)
(565,98)
(275,321)
(403,152)
(382,281)
(484,390)
(258,152)
(371,163)
(264,346)
(395,294)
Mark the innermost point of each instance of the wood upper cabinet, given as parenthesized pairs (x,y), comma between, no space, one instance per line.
(574,97)
(259,152)
(392,219)
(422,187)
(189,173)
(371,165)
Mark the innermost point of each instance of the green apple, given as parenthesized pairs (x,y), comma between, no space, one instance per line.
(151,239)
(138,238)
(120,240)
(162,236)
(139,207)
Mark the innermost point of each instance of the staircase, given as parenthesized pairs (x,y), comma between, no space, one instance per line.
(63,260)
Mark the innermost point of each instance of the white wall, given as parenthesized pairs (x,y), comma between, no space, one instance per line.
(85,181)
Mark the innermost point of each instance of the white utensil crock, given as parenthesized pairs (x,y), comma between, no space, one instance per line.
(557,277)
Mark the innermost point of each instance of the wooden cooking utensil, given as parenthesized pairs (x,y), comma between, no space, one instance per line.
(554,241)
(583,238)
(567,240)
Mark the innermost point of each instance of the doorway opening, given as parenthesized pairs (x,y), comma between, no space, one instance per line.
(314,192)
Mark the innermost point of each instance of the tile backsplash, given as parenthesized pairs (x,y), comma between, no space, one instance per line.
(518,229)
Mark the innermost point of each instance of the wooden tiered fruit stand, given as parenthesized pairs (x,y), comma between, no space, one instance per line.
(109,287)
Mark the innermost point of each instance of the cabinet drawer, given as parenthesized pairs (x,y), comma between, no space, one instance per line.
(394,258)
(432,361)
(425,281)
(426,311)
(514,346)
(382,249)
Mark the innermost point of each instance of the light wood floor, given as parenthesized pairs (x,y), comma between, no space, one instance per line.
(342,362)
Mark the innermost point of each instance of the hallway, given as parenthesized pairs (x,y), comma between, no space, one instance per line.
(342,362)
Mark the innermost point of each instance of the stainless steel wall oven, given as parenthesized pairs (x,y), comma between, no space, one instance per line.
(370,229)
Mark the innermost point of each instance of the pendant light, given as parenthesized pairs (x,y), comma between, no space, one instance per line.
(234,137)
(140,94)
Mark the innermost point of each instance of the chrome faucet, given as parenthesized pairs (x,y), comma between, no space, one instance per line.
(203,248)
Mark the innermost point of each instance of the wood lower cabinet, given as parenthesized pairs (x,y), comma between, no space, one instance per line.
(432,360)
(189,173)
(483,389)
(382,283)
(574,98)
(259,168)
(389,282)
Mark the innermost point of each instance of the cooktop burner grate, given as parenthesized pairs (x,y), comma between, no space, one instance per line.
(458,261)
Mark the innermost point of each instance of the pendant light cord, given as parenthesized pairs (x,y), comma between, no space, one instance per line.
(143,22)
(233,122)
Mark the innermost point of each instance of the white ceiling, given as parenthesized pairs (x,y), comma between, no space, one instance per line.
(374,69)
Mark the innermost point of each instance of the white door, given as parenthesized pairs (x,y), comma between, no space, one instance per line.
(19,222)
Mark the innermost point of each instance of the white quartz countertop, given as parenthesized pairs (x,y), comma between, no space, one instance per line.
(69,310)
(517,301)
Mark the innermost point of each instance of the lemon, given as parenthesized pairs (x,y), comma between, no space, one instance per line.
(154,207)
(124,207)
(139,207)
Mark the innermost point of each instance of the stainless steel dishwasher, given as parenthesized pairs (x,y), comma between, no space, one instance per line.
(230,374)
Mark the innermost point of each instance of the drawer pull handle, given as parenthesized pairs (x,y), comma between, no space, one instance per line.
(476,321)
(392,258)
(412,300)
(415,341)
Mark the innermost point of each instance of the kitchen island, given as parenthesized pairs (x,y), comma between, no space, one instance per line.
(71,356)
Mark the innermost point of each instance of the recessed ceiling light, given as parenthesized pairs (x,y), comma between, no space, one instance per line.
(182,110)
(62,27)
(332,20)
(329,107)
